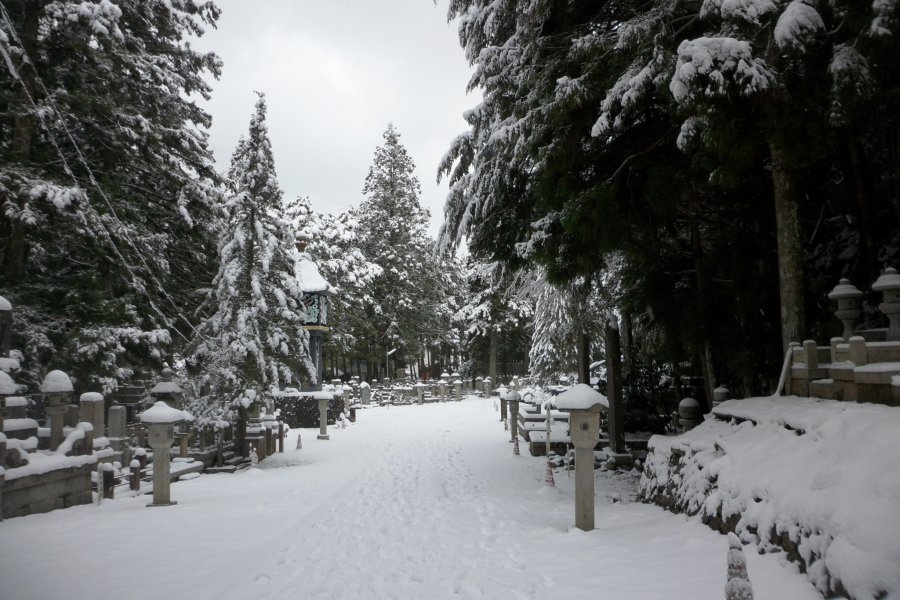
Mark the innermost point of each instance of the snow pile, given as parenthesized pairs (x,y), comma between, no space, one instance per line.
(161,412)
(56,382)
(581,397)
(816,478)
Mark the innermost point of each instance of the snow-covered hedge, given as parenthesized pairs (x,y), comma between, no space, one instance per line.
(818,479)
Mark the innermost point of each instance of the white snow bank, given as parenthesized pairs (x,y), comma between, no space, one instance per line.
(818,478)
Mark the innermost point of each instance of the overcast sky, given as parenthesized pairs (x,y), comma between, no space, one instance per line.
(335,72)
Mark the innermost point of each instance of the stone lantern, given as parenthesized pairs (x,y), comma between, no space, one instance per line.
(323,398)
(689,413)
(420,392)
(57,390)
(160,420)
(457,388)
(889,285)
(442,386)
(170,392)
(315,300)
(512,399)
(584,404)
(848,310)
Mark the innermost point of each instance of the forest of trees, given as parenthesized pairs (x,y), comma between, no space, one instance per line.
(706,170)
(701,172)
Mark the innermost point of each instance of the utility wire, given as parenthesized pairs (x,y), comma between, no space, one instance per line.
(137,282)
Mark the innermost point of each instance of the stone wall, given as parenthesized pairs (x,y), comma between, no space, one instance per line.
(44,492)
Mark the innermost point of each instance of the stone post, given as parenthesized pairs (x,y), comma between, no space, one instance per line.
(583,404)
(488,386)
(323,398)
(457,388)
(811,353)
(117,414)
(280,437)
(92,410)
(365,393)
(479,384)
(512,398)
(858,354)
(689,413)
(135,478)
(503,408)
(57,390)
(107,485)
(6,314)
(160,420)
(889,285)
(720,394)
(443,387)
(420,392)
(2,482)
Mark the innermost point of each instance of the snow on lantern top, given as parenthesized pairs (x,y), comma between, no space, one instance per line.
(581,397)
(4,304)
(56,382)
(161,412)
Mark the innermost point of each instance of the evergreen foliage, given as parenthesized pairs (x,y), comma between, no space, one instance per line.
(254,342)
(107,183)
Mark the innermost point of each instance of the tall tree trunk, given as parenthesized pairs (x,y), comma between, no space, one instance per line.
(492,360)
(23,133)
(614,387)
(860,180)
(584,357)
(627,334)
(705,354)
(790,248)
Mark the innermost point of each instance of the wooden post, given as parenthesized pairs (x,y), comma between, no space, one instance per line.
(281,437)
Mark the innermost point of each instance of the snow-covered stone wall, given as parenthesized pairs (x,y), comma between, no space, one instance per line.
(817,479)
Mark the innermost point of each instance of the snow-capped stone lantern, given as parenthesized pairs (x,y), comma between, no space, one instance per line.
(170,392)
(889,285)
(487,383)
(160,420)
(848,301)
(584,404)
(315,300)
(57,390)
(689,413)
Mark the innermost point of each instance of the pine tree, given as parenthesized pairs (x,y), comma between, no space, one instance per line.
(393,236)
(254,343)
(106,180)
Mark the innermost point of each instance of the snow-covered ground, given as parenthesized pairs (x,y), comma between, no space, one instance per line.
(410,502)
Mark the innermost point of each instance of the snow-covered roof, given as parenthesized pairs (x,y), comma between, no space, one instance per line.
(161,412)
(55,382)
(166,387)
(311,281)
(580,396)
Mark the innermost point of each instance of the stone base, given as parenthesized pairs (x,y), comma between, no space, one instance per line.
(172,503)
(623,460)
(323,437)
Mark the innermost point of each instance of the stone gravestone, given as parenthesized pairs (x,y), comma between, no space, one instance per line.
(92,411)
(116,430)
(365,393)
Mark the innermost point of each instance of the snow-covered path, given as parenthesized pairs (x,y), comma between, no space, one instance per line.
(411,502)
